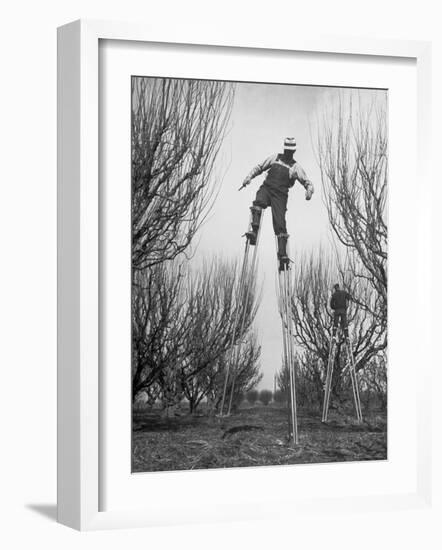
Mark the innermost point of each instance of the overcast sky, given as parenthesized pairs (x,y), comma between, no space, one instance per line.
(262,116)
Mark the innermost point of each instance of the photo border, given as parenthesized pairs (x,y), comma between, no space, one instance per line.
(79,253)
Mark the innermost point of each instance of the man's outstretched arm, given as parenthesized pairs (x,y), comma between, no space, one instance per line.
(301,176)
(258,169)
(351,298)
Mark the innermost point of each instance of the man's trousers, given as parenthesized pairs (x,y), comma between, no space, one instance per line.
(340,318)
(277,200)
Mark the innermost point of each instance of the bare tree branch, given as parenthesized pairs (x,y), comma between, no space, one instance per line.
(352,151)
(177,130)
(183,324)
(312,317)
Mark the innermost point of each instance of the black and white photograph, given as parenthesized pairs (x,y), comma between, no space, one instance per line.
(259,274)
(221,259)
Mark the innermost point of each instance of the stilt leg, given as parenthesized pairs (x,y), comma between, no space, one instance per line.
(328,379)
(239,300)
(291,354)
(248,274)
(285,312)
(285,353)
(354,379)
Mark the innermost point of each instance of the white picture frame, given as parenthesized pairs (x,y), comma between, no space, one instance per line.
(79,269)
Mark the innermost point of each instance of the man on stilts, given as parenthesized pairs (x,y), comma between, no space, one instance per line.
(339,304)
(282,173)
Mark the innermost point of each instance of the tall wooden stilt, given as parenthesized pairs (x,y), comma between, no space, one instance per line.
(242,300)
(285,298)
(353,376)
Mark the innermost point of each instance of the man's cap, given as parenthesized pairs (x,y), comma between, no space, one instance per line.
(290,144)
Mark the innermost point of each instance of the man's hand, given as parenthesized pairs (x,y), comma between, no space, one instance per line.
(308,193)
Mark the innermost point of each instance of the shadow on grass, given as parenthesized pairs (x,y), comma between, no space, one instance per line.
(152,423)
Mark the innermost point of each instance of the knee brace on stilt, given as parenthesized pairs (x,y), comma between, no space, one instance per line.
(255,221)
(256,217)
(282,239)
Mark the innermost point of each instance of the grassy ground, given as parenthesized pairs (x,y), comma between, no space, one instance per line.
(254,436)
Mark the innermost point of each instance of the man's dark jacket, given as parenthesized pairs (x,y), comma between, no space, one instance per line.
(339,300)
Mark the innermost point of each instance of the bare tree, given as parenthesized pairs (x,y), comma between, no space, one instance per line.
(148,397)
(312,316)
(160,324)
(248,374)
(183,324)
(213,303)
(247,377)
(265,396)
(374,382)
(310,380)
(177,129)
(313,323)
(279,397)
(352,152)
(252,396)
(283,381)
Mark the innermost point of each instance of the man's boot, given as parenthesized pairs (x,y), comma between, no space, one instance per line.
(252,234)
(283,258)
